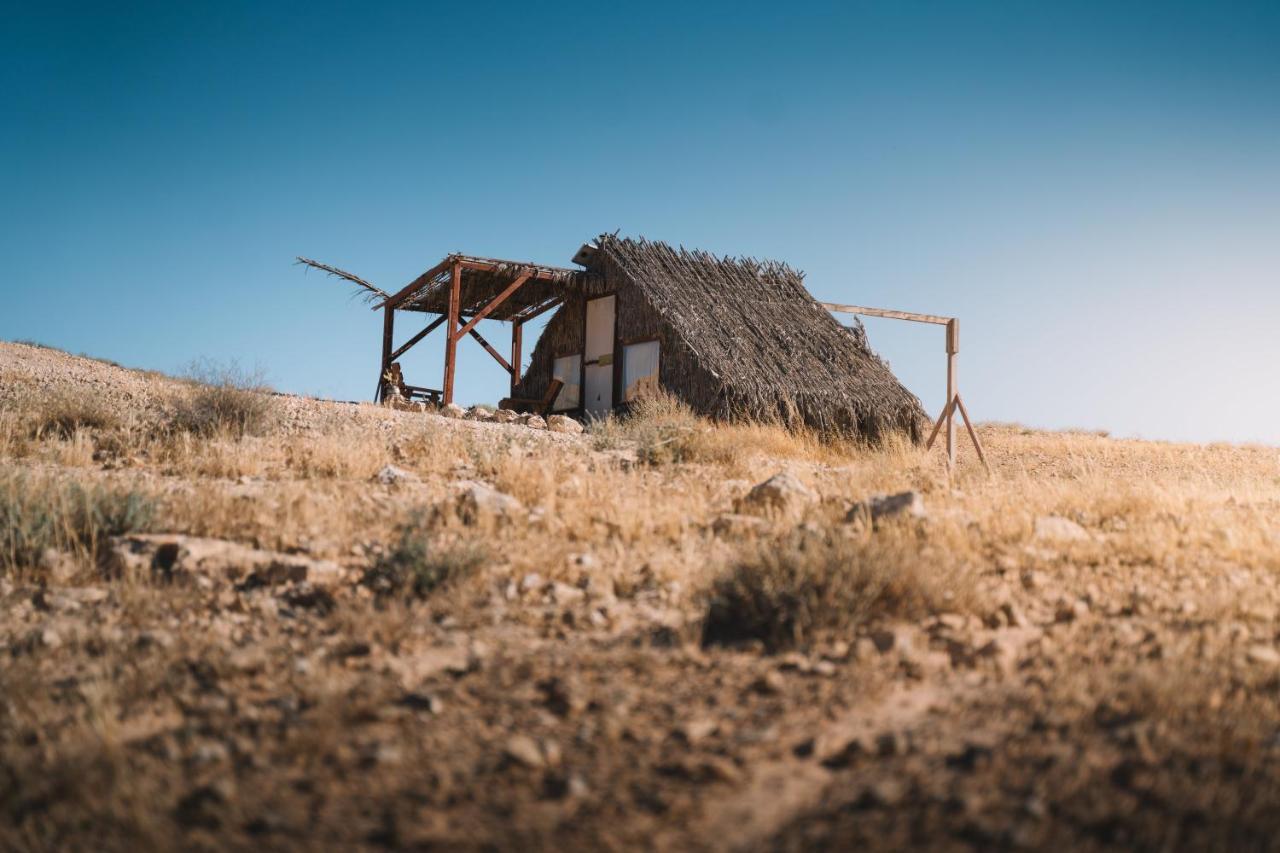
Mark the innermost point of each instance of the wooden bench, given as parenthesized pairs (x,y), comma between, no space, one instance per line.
(540,407)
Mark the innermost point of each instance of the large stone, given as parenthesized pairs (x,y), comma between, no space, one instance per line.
(565,424)
(480,504)
(479,413)
(781,493)
(185,558)
(454,411)
(908,504)
(535,422)
(506,416)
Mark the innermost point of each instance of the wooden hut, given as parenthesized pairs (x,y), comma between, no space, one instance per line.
(734,338)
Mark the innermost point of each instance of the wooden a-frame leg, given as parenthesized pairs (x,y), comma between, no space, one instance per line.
(973,436)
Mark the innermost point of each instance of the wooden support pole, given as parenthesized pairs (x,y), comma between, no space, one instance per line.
(451,342)
(953,349)
(517,333)
(973,436)
(937,428)
(388,328)
(431,327)
(489,309)
(489,349)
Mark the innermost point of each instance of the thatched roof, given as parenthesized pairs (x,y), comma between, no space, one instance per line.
(776,353)
(485,278)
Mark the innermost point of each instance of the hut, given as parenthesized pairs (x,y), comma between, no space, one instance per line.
(734,338)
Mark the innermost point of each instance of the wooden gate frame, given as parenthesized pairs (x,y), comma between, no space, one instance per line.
(954,402)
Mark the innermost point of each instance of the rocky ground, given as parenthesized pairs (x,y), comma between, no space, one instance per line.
(323,625)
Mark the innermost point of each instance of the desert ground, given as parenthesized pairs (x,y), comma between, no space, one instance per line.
(231,619)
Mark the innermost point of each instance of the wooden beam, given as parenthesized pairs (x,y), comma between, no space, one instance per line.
(493,352)
(973,436)
(517,337)
(405,292)
(388,328)
(451,342)
(937,428)
(492,306)
(885,312)
(529,314)
(431,327)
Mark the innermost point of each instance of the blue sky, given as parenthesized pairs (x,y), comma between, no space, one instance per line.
(1094,189)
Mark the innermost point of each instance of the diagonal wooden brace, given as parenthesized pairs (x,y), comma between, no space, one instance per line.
(492,306)
(493,352)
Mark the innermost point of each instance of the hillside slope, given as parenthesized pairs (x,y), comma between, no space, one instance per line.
(231,619)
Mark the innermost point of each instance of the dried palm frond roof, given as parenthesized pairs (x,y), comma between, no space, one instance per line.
(367,290)
(482,279)
(775,351)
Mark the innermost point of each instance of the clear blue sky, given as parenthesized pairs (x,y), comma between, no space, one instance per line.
(1093,188)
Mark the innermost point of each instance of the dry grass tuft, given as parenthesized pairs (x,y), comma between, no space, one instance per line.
(785,594)
(418,566)
(65,412)
(224,400)
(36,516)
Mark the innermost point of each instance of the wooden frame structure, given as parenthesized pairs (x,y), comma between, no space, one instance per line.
(463,290)
(954,403)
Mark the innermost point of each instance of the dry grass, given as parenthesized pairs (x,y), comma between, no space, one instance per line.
(224,400)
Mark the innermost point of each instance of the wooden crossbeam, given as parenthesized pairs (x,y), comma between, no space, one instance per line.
(493,352)
(885,312)
(492,306)
(431,327)
(405,292)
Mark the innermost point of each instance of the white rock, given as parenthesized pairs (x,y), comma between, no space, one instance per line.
(565,424)
(535,422)
(783,492)
(1057,528)
(481,504)
(453,410)
(1265,655)
(390,475)
(505,416)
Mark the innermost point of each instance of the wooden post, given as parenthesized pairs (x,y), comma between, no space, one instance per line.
(388,327)
(517,330)
(451,342)
(953,348)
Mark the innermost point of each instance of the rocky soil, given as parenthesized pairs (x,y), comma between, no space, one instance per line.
(1080,651)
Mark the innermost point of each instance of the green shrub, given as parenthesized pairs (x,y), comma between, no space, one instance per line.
(785,594)
(418,567)
(69,517)
(224,399)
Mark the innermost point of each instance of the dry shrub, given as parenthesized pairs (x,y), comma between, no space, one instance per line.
(417,566)
(786,593)
(226,400)
(664,430)
(63,413)
(35,516)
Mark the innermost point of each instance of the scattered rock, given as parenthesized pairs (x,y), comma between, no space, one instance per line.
(390,475)
(877,507)
(733,524)
(770,684)
(524,750)
(782,493)
(535,422)
(479,413)
(480,504)
(1264,655)
(564,424)
(506,416)
(454,411)
(1058,529)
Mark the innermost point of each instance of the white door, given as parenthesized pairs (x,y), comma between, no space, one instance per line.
(598,357)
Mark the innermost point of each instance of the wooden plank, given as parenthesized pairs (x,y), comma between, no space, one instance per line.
(528,315)
(517,338)
(493,352)
(946,413)
(431,327)
(492,306)
(388,328)
(885,312)
(451,342)
(408,290)
(973,436)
